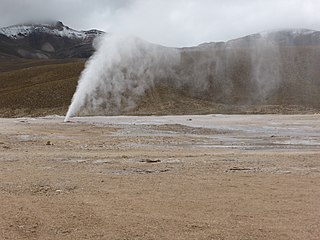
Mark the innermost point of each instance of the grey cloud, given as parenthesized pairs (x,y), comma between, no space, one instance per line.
(169,22)
(77,13)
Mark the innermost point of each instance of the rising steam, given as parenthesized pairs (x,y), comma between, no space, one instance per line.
(123,68)
(120,71)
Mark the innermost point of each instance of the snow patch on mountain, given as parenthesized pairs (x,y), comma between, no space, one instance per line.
(20,31)
(58,29)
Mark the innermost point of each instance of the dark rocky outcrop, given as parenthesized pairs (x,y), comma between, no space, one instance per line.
(46,41)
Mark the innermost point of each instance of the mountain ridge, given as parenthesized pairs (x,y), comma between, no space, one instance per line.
(22,30)
(46,41)
(54,40)
(281,37)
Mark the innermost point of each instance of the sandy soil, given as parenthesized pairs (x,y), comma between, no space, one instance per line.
(186,177)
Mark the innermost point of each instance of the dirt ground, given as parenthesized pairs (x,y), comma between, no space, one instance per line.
(185,177)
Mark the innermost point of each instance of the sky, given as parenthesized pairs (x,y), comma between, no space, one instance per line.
(169,22)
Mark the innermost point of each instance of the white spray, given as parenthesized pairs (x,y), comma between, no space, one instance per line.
(119,72)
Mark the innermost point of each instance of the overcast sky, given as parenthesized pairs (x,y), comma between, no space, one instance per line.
(169,22)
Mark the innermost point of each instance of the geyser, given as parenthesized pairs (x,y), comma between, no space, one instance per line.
(121,70)
(124,68)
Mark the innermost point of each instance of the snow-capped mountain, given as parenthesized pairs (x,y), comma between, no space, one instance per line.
(49,40)
(58,29)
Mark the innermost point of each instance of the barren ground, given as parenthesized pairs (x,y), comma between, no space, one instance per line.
(186,177)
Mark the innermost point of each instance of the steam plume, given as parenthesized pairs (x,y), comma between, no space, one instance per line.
(120,71)
(123,68)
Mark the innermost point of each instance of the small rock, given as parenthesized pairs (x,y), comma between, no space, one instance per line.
(240,169)
(49,143)
(150,160)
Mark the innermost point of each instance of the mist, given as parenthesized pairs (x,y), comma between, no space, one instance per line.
(124,68)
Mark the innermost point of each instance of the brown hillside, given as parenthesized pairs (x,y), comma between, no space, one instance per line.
(34,87)
(42,87)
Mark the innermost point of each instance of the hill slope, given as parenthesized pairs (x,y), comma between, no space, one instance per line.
(38,87)
(275,72)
